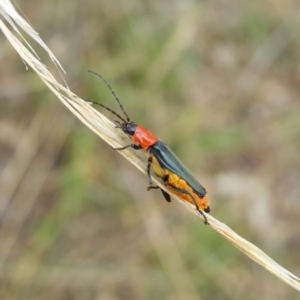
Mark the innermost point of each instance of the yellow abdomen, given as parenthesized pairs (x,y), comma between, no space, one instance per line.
(176,181)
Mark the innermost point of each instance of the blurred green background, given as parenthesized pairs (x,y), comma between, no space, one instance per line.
(219,82)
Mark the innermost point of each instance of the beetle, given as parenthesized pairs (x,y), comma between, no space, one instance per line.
(166,165)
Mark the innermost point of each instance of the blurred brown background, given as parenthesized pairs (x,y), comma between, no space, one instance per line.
(219,82)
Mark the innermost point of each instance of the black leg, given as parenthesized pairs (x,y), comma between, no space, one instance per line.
(149,168)
(166,195)
(183,191)
(152,187)
(134,146)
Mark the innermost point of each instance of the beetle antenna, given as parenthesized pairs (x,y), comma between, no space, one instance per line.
(113,92)
(94,102)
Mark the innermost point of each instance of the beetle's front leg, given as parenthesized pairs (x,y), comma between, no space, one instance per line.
(134,146)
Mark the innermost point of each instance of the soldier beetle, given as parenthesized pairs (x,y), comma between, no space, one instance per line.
(166,165)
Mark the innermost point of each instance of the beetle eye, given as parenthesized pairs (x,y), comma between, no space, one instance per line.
(129,128)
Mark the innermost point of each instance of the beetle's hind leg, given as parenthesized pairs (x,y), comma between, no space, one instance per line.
(183,191)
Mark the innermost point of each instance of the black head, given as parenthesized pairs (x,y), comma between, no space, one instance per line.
(127,127)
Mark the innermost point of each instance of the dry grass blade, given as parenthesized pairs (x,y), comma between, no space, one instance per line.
(107,131)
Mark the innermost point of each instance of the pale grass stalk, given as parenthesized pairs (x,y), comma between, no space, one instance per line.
(114,137)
